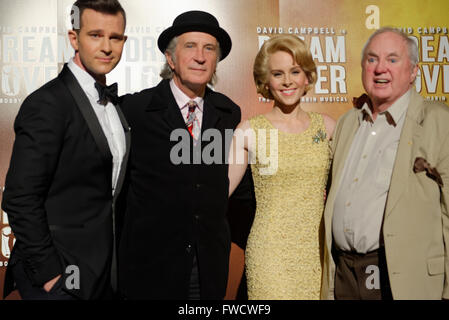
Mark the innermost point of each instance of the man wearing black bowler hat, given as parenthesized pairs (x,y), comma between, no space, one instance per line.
(176,238)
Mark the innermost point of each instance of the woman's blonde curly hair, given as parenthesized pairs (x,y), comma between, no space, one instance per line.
(293,46)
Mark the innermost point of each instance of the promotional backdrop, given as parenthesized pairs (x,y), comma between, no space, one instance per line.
(34,46)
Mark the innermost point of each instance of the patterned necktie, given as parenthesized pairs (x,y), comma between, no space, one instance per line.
(192,122)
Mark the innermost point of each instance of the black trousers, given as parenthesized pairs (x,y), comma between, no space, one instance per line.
(194,285)
(362,276)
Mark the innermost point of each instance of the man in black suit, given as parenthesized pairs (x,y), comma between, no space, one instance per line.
(64,177)
(176,237)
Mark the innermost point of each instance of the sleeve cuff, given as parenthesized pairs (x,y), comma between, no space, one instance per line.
(41,273)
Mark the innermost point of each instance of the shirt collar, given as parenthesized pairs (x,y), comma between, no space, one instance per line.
(182,99)
(365,113)
(85,80)
(396,110)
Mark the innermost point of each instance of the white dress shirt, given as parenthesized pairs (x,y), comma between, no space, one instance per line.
(181,100)
(362,193)
(107,117)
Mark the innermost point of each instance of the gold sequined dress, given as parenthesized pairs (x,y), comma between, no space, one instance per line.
(283,250)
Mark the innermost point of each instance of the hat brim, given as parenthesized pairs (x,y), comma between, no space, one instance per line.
(220,34)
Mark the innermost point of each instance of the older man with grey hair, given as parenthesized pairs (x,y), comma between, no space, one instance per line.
(176,239)
(386,217)
(167,72)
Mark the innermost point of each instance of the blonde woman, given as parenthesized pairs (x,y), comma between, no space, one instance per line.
(291,158)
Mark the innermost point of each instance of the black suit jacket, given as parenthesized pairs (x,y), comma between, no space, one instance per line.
(173,209)
(58,193)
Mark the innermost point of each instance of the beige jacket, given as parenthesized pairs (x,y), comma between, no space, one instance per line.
(416,221)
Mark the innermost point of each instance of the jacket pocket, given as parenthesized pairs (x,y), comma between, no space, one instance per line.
(435,266)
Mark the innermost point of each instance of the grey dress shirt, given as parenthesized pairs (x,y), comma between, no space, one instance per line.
(363,189)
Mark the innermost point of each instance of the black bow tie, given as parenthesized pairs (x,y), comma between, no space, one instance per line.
(107,93)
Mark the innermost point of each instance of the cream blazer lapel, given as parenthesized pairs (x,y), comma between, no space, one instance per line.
(341,143)
(344,135)
(403,164)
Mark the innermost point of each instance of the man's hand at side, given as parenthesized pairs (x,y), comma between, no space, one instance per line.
(49,285)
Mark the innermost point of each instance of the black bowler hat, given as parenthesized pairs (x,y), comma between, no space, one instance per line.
(196,21)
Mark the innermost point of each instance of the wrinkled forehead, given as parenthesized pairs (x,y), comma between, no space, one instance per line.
(197,37)
(387,44)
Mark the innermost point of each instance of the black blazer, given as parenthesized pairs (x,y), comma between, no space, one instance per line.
(58,193)
(174,209)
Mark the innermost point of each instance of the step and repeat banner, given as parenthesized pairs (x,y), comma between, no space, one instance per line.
(34,47)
